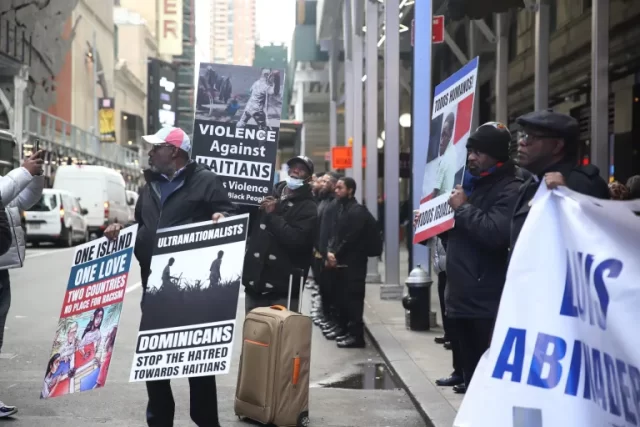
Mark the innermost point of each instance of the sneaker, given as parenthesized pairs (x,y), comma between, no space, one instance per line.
(7,411)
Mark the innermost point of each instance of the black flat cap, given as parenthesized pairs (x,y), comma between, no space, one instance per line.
(551,123)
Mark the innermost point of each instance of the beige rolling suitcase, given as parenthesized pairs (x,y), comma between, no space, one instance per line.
(273,380)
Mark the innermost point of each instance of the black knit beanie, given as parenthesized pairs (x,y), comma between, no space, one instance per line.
(492,138)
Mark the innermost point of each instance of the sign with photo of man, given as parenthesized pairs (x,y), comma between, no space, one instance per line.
(237,126)
(189,317)
(446,152)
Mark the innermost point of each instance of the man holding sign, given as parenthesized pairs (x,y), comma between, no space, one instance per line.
(178,192)
(477,247)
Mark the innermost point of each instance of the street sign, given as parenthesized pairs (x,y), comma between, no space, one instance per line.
(437,34)
(341,157)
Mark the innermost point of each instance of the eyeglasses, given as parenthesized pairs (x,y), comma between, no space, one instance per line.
(528,138)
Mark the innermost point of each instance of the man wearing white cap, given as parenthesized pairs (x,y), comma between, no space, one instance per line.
(178,191)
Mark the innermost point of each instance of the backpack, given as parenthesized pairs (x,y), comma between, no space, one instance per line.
(373,238)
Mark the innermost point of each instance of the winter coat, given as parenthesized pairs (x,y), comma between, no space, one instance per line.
(348,239)
(583,179)
(197,198)
(19,191)
(327,210)
(281,243)
(478,246)
(5,230)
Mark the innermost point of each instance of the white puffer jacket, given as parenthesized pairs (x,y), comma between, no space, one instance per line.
(439,257)
(19,191)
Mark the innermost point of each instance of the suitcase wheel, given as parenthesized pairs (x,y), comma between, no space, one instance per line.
(303,419)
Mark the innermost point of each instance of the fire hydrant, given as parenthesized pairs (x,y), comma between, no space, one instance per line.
(417,302)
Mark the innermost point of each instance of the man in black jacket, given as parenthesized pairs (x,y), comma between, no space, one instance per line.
(347,253)
(478,245)
(326,213)
(281,242)
(548,149)
(178,192)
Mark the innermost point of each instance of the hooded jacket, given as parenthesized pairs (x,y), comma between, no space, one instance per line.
(19,191)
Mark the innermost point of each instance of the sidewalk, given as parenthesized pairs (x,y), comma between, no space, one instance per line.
(416,359)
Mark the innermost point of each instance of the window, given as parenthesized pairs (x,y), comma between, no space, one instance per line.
(47,203)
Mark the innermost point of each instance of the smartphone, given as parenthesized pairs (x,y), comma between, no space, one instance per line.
(37,146)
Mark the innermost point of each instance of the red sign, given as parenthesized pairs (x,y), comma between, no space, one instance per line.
(437,30)
(341,157)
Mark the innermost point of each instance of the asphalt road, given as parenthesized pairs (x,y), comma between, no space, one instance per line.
(37,292)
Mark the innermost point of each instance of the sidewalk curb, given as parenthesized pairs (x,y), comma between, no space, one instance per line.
(429,402)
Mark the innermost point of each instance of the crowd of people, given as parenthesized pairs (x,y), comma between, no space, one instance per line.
(308,219)
(312,223)
(490,208)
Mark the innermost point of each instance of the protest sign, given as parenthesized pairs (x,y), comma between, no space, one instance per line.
(86,333)
(564,351)
(189,316)
(237,126)
(447,150)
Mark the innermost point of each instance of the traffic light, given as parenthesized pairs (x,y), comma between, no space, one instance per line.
(479,9)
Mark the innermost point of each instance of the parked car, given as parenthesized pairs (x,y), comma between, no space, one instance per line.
(58,218)
(132,199)
(100,190)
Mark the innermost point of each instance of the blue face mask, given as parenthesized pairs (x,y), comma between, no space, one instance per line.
(294,183)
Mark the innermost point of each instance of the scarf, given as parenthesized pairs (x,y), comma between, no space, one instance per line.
(469,181)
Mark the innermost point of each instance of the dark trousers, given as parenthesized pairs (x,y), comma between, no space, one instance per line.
(474,338)
(5,302)
(203,399)
(352,286)
(252,301)
(449,329)
(321,278)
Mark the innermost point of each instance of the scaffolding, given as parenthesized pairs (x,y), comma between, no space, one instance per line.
(68,144)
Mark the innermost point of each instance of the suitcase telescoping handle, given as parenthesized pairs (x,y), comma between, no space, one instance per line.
(301,272)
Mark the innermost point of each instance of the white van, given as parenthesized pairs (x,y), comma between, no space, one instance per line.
(100,190)
(132,198)
(57,218)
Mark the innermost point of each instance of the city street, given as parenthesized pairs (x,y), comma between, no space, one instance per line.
(349,387)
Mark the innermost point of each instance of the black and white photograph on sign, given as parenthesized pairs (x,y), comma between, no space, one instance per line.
(240,95)
(190,304)
(195,286)
(236,128)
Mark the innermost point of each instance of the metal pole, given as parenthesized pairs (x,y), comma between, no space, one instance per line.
(357,115)
(392,288)
(600,86)
(422,82)
(94,67)
(474,50)
(333,85)
(299,113)
(348,76)
(502,67)
(371,171)
(541,66)
(20,84)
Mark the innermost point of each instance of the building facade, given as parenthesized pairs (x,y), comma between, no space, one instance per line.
(233,31)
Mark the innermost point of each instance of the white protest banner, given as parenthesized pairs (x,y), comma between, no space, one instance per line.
(447,150)
(84,341)
(565,351)
(237,127)
(189,309)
